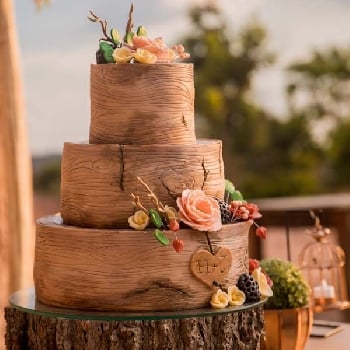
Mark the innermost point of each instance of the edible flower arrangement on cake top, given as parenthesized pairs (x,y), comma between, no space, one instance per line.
(134,47)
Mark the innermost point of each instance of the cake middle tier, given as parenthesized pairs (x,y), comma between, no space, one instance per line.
(97,179)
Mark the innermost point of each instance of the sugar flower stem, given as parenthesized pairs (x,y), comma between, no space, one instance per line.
(137,203)
(152,196)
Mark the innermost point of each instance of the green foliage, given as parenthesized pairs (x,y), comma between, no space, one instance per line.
(339,155)
(234,195)
(48,178)
(323,82)
(290,290)
(286,163)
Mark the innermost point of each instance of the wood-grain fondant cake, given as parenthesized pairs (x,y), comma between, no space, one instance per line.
(148,221)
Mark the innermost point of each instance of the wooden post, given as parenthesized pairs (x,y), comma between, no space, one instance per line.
(16,218)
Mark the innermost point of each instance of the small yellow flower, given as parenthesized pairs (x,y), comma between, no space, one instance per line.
(171,55)
(139,221)
(219,300)
(144,56)
(265,289)
(122,55)
(171,213)
(235,296)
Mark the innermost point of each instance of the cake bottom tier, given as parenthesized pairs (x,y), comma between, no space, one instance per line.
(128,270)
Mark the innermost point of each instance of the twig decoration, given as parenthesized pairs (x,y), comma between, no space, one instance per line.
(94,18)
(130,23)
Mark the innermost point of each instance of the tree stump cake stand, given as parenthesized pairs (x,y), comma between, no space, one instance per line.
(32,325)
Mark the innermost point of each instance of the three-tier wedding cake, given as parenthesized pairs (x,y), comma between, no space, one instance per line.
(143,222)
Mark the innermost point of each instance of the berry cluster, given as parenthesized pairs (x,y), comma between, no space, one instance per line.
(234,208)
(250,287)
(226,214)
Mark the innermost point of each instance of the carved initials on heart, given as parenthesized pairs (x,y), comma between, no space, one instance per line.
(209,268)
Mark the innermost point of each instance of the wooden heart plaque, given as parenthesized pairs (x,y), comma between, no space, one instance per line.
(209,268)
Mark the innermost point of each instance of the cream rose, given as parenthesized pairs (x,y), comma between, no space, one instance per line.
(219,300)
(235,296)
(139,221)
(199,211)
(144,56)
(122,55)
(264,288)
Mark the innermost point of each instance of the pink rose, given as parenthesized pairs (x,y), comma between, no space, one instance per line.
(199,211)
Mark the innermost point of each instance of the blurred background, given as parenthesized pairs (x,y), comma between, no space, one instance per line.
(272,81)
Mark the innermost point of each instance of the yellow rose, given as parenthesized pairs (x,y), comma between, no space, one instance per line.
(139,221)
(122,55)
(219,300)
(144,56)
(235,296)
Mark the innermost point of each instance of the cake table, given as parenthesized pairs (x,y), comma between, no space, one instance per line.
(33,325)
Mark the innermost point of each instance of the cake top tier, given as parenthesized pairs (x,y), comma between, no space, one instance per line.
(134,46)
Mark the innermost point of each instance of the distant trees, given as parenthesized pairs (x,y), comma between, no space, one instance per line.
(319,89)
(47,178)
(263,156)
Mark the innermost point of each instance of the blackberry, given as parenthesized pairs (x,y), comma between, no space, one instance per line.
(247,284)
(226,214)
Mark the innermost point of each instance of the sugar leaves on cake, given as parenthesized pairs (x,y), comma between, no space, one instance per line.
(134,46)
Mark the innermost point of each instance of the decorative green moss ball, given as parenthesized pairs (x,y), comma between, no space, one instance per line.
(290,290)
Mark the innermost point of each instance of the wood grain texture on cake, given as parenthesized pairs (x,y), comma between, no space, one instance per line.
(142,104)
(123,270)
(97,180)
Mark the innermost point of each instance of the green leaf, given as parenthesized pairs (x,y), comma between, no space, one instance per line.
(129,36)
(107,51)
(155,218)
(229,186)
(159,235)
(115,36)
(141,31)
(235,195)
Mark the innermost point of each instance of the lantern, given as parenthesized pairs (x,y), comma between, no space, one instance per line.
(322,263)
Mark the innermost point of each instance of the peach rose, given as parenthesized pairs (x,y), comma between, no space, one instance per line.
(159,49)
(199,211)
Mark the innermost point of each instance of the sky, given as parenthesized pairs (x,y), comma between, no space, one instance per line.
(58,44)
